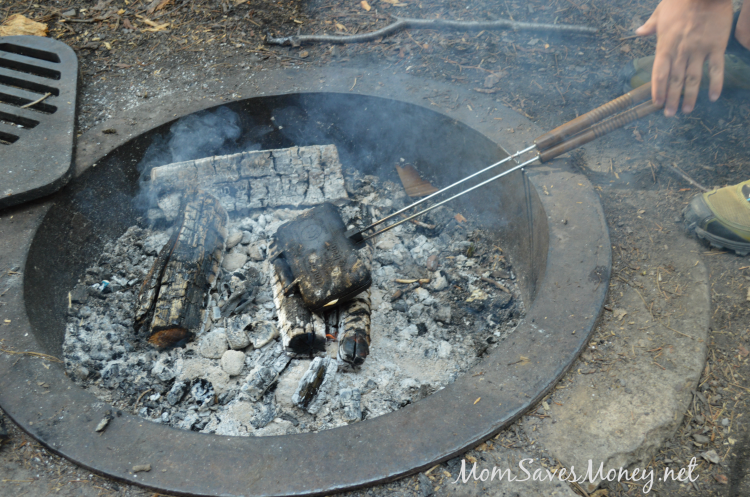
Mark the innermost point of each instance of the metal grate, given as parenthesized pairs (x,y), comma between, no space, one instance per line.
(38,84)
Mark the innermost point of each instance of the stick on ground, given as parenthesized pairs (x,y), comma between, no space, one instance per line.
(407,23)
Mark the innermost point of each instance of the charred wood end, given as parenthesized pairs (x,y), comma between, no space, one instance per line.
(173,294)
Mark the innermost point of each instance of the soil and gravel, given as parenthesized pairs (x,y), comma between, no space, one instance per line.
(138,51)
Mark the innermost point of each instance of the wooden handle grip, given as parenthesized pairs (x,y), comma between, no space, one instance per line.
(559,134)
(600,129)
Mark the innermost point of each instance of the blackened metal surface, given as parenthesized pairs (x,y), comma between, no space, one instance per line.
(36,141)
(323,261)
(563,270)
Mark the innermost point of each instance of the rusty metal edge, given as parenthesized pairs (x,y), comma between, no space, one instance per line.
(579,256)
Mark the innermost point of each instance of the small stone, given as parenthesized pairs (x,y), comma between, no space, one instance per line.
(247,237)
(177,392)
(233,261)
(698,419)
(237,336)
(701,439)
(232,362)
(214,344)
(234,239)
(263,333)
(255,253)
(711,456)
(432,263)
(141,467)
(443,314)
(725,422)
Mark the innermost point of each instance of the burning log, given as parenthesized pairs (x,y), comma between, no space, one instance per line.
(172,296)
(354,322)
(302,332)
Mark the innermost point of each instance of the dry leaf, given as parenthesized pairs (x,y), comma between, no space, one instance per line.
(459,218)
(303,54)
(619,313)
(637,135)
(340,27)
(365,5)
(17,25)
(127,25)
(743,351)
(721,479)
(625,48)
(157,5)
(523,360)
(157,27)
(413,184)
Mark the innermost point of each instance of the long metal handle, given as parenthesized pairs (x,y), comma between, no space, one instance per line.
(551,139)
(515,168)
(428,197)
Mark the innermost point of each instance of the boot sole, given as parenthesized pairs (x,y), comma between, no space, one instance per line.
(741,249)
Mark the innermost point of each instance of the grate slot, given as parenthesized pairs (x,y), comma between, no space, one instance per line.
(7,138)
(30,69)
(20,102)
(30,52)
(20,120)
(28,85)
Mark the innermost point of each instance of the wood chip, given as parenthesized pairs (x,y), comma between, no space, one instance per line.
(141,467)
(365,5)
(414,185)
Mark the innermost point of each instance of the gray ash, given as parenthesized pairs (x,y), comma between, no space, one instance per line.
(235,378)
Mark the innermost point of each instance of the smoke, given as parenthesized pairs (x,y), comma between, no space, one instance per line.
(203,134)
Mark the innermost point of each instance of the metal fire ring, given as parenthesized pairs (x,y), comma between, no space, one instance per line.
(565,308)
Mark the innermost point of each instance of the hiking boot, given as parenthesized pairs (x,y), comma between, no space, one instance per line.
(722,217)
(736,67)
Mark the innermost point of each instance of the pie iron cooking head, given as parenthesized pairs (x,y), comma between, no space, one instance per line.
(314,255)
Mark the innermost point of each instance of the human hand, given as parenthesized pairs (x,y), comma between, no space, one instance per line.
(688,32)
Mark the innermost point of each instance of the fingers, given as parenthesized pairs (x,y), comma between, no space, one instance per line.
(715,74)
(692,82)
(649,27)
(660,77)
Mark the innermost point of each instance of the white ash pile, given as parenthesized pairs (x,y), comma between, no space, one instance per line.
(442,294)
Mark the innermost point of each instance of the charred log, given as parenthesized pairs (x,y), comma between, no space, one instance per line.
(171,302)
(296,176)
(314,385)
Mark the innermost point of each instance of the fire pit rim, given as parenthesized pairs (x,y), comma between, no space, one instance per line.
(131,435)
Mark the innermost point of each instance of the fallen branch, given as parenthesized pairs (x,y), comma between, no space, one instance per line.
(687,178)
(407,23)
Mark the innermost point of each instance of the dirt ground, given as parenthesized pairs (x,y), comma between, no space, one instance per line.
(132,50)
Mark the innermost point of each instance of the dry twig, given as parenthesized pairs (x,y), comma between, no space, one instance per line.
(407,23)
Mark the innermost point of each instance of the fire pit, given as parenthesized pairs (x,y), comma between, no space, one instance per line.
(561,262)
